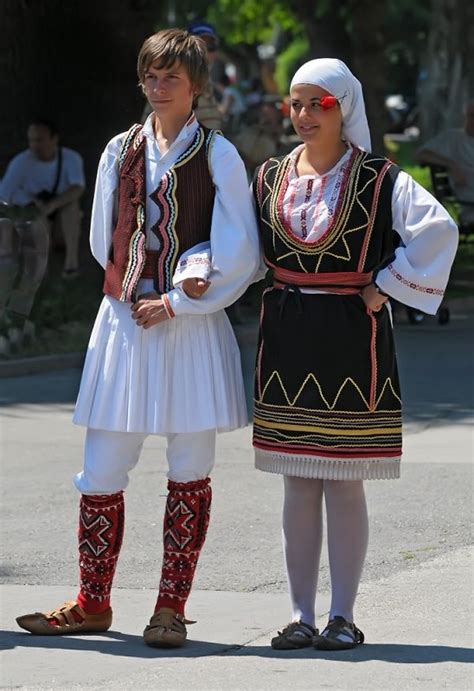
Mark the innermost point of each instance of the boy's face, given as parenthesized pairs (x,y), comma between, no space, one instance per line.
(169,91)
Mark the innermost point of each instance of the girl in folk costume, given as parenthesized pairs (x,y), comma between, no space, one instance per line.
(342,229)
(172,221)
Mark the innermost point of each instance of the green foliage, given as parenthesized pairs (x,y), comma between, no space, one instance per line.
(247,21)
(420,174)
(402,153)
(61,301)
(404,29)
(288,62)
(64,310)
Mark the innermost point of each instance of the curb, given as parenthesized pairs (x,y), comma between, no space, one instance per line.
(40,364)
(246,334)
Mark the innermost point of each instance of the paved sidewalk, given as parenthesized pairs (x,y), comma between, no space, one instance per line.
(415,604)
(410,644)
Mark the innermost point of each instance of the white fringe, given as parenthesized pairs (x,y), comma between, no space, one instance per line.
(316,467)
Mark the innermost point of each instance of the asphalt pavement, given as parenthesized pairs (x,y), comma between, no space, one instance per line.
(415,602)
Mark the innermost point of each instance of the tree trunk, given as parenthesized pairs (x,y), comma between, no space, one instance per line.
(370,65)
(327,34)
(448,74)
(362,50)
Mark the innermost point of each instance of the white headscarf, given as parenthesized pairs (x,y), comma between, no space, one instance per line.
(336,78)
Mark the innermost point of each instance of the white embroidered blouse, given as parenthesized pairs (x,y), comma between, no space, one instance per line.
(418,274)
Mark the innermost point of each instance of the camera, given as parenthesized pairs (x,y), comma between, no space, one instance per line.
(45,196)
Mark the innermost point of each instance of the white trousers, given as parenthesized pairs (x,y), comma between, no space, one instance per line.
(110,456)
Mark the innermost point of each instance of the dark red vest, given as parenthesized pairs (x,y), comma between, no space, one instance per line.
(185,197)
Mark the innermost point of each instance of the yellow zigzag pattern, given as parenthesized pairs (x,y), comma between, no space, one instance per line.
(330,406)
(295,248)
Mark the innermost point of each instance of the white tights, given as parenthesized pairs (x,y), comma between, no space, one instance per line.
(348,532)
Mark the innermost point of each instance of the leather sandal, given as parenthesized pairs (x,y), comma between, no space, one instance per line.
(339,634)
(63,621)
(294,636)
(166,629)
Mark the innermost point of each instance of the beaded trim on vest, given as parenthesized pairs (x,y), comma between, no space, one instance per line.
(137,250)
(167,201)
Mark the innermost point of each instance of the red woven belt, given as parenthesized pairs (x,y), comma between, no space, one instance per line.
(340,279)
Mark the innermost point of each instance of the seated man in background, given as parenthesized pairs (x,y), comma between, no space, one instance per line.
(48,179)
(454,149)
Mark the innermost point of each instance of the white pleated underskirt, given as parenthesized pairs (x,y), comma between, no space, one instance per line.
(314,467)
(183,375)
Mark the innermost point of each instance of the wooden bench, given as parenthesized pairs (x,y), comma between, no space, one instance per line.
(444,193)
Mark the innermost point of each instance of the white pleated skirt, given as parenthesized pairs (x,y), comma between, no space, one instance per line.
(183,375)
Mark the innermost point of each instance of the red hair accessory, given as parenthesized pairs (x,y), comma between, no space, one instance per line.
(328,102)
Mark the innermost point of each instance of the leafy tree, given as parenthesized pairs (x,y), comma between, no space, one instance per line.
(381,42)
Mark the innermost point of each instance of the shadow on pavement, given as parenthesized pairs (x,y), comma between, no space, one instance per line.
(129,645)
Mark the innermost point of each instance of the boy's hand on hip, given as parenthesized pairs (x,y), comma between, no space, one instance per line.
(195,287)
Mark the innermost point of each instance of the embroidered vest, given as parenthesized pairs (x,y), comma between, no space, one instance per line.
(185,197)
(360,238)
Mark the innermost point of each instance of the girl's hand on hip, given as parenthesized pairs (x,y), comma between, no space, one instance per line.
(372,298)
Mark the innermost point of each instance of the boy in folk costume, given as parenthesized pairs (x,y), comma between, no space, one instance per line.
(172,221)
(342,228)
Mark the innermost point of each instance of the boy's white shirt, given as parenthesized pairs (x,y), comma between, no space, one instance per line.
(229,260)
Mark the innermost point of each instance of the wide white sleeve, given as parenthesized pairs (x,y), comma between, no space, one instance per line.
(419,272)
(234,250)
(104,204)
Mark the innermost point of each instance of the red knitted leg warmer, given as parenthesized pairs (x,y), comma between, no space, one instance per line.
(101,525)
(184,531)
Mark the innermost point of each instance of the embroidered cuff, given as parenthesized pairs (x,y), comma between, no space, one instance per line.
(167,305)
(402,283)
(195,263)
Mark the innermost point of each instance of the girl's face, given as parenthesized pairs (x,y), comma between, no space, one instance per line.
(312,123)
(169,91)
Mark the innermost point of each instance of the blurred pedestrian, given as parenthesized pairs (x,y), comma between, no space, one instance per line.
(454,149)
(232,106)
(207,109)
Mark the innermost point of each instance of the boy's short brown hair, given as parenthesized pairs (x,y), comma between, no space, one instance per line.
(171,46)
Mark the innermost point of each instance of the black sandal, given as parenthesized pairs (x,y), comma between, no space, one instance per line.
(294,636)
(339,634)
